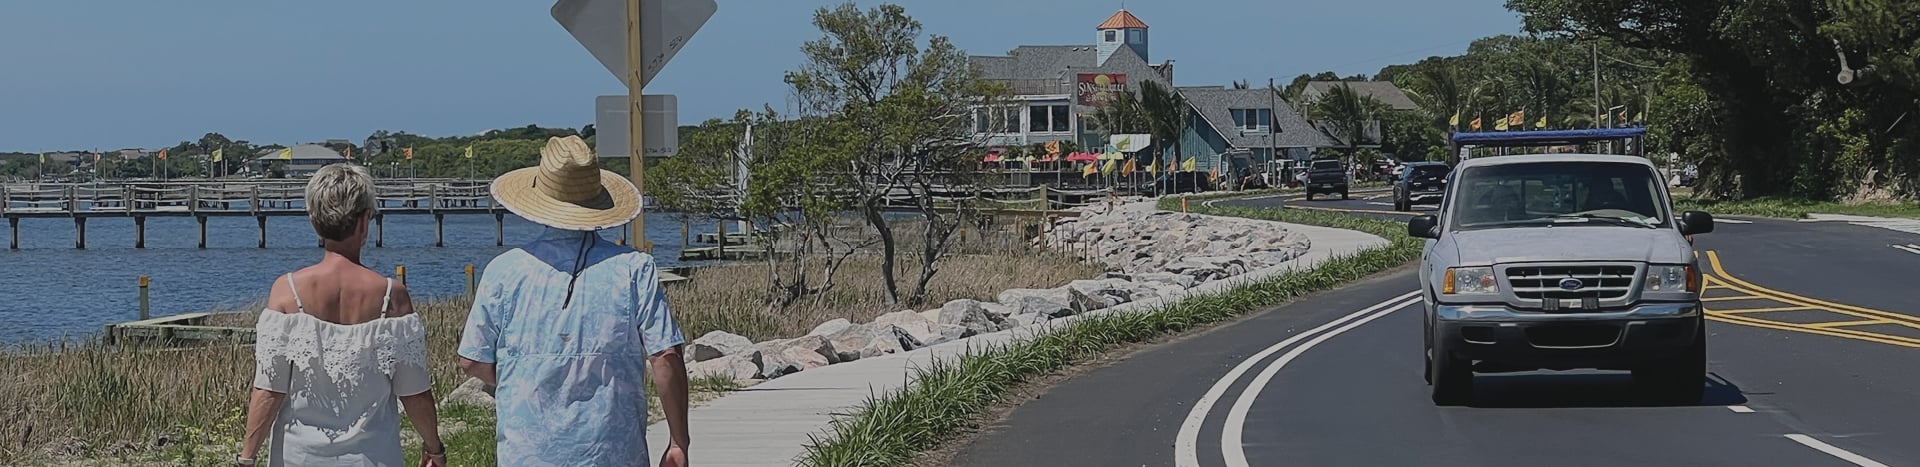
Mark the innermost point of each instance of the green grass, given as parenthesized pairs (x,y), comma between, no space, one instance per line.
(1791,208)
(894,428)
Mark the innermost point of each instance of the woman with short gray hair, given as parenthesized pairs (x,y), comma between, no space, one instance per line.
(342,344)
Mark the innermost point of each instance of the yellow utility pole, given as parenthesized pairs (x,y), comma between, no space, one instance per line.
(637,234)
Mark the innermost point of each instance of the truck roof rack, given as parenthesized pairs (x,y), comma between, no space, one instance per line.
(1624,140)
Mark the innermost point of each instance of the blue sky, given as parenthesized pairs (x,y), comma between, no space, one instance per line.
(80,74)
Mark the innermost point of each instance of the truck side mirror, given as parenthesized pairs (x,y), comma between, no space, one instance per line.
(1423,226)
(1695,223)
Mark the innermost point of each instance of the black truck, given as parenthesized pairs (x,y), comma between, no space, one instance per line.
(1327,176)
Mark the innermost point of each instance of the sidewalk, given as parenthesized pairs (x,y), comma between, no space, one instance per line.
(770,424)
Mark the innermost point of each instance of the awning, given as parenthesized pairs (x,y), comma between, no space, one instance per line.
(1082,157)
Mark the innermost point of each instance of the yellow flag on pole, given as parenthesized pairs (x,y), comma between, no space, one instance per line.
(1500,125)
(469,151)
(1153,168)
(43,158)
(1542,123)
(1188,166)
(1112,165)
(1455,121)
(286,154)
(219,154)
(1088,171)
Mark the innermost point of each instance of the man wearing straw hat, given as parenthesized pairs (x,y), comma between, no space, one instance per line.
(566,327)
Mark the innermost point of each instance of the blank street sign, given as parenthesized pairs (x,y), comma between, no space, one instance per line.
(661,131)
(601,26)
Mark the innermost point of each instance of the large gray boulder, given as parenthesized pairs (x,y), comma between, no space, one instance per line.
(1179,280)
(968,314)
(472,392)
(718,344)
(830,327)
(917,327)
(867,341)
(738,367)
(787,356)
(1112,292)
(1053,303)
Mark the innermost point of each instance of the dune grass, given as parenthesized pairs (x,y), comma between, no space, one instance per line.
(946,398)
(85,403)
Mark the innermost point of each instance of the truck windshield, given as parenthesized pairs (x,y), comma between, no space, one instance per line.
(1558,193)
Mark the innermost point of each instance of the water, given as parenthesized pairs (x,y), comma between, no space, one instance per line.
(48,288)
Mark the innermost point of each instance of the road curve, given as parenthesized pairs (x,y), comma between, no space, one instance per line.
(1334,379)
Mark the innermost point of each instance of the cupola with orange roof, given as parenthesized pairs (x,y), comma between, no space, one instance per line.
(1123,29)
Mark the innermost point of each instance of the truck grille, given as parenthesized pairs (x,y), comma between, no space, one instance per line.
(1599,285)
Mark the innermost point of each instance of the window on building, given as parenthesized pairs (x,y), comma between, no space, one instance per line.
(1136,36)
(1057,118)
(996,120)
(1253,120)
(1113,36)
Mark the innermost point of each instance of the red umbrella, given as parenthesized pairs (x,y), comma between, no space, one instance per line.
(1082,157)
(995,157)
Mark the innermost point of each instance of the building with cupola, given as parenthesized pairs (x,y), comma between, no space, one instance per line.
(1057,89)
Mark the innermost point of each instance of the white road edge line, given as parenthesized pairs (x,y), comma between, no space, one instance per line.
(1231,447)
(1740,409)
(1732,221)
(1186,445)
(1843,454)
(1908,248)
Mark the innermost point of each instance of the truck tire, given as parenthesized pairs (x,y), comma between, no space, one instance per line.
(1452,378)
(1401,206)
(1680,380)
(1343,194)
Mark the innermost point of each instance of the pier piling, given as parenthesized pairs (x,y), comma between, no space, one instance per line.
(139,231)
(469,281)
(263,230)
(401,272)
(80,230)
(202,220)
(14,224)
(499,229)
(146,311)
(379,231)
(439,230)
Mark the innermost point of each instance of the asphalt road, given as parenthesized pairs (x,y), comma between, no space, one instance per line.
(1814,342)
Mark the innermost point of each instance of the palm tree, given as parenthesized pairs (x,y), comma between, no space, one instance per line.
(1348,113)
(1169,113)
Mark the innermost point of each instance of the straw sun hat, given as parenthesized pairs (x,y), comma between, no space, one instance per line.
(568,190)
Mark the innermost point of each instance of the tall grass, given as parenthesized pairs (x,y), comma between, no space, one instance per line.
(137,402)
(1793,208)
(892,429)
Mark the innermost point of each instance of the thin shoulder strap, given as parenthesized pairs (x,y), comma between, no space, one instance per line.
(296,294)
(386,299)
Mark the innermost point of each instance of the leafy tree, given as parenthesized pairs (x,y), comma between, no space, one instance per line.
(1168,115)
(899,114)
(1349,114)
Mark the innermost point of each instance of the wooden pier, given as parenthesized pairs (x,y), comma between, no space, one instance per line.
(258,199)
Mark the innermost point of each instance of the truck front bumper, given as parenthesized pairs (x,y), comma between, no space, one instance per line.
(1505,339)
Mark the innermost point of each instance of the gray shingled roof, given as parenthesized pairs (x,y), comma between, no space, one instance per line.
(1383,91)
(1060,62)
(304,152)
(1214,104)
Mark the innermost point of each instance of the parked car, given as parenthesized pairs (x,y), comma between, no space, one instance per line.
(1421,183)
(1327,176)
(1517,276)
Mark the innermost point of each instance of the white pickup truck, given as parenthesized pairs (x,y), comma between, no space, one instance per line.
(1561,262)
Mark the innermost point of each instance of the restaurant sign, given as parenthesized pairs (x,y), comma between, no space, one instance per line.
(1096,89)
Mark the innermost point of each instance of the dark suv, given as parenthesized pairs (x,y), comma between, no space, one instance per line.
(1420,183)
(1327,176)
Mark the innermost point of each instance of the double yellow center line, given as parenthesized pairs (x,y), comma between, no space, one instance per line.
(1861,316)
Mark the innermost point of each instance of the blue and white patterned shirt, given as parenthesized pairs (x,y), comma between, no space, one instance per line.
(570,349)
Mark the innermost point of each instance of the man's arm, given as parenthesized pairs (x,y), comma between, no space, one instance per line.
(670,381)
(478,370)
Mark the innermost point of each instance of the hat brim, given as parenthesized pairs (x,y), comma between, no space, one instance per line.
(618,204)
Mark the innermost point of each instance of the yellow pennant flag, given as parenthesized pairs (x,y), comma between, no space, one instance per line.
(286,154)
(469,151)
(43,158)
(1153,168)
(1455,121)
(1111,166)
(1089,171)
(1188,166)
(219,154)
(1542,123)
(1500,125)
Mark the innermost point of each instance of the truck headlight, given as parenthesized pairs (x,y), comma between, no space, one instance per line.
(1661,278)
(1469,281)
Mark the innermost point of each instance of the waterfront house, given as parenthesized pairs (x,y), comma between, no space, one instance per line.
(306,159)
(1057,88)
